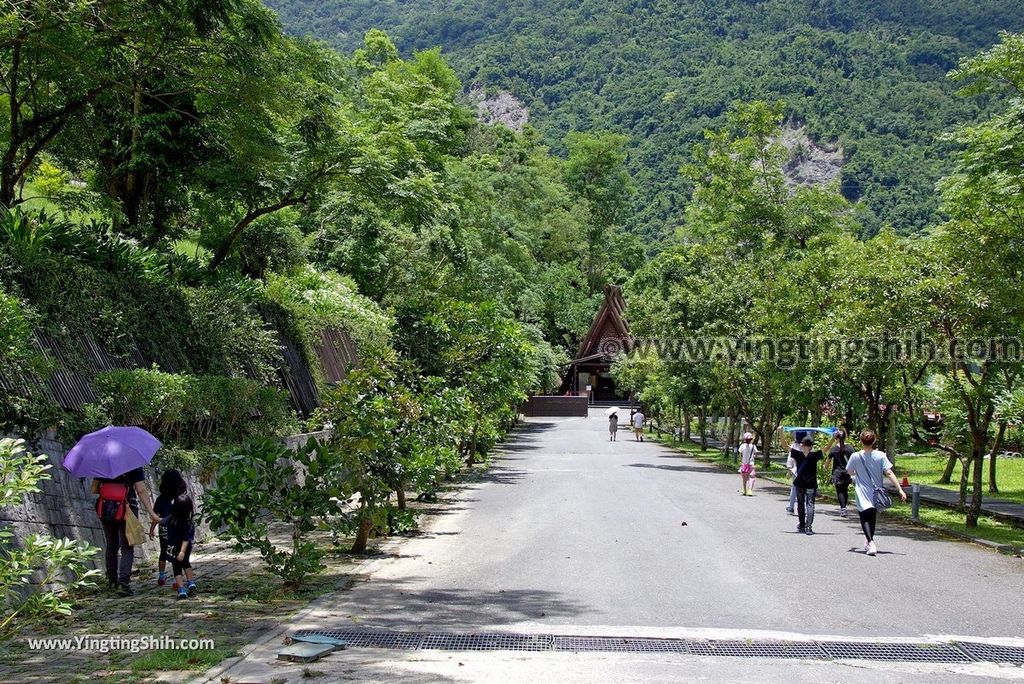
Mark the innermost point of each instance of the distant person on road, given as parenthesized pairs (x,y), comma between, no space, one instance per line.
(869,469)
(748,471)
(837,461)
(806,458)
(638,425)
(791,467)
(613,426)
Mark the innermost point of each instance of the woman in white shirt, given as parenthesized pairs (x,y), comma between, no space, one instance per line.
(869,469)
(748,470)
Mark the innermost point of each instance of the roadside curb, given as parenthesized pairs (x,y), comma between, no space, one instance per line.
(1005,549)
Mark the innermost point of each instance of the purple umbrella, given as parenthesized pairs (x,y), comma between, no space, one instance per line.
(111,452)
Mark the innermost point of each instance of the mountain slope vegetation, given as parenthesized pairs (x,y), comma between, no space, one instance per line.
(869,77)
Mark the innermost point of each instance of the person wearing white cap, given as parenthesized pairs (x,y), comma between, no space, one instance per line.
(748,471)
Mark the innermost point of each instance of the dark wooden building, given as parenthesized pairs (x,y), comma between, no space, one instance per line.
(607,337)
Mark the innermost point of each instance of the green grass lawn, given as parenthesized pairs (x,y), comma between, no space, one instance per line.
(988,528)
(926,468)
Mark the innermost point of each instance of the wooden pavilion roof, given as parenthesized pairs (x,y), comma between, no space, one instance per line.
(609,324)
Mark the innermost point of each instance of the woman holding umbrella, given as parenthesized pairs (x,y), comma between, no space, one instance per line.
(613,422)
(114,457)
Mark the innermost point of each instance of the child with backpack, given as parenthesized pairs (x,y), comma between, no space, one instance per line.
(181,534)
(172,484)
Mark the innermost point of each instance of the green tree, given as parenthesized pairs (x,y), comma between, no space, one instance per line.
(595,173)
(977,276)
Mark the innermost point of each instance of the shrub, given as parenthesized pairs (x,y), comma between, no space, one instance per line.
(190,409)
(61,561)
(264,482)
(373,415)
(322,301)
(395,435)
(24,405)
(86,279)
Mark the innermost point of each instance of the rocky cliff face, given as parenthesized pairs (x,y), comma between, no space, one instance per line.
(501,107)
(809,163)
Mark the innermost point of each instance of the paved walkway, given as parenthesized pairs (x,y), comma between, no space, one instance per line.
(238,602)
(1011,511)
(571,534)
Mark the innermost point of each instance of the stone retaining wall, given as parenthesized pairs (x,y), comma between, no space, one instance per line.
(65,507)
(549,406)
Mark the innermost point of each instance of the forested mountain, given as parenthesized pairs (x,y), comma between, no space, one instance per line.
(868,76)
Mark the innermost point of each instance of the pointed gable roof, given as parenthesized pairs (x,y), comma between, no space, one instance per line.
(609,324)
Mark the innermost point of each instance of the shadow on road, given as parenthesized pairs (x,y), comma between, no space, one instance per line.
(525,438)
(679,468)
(501,474)
(395,604)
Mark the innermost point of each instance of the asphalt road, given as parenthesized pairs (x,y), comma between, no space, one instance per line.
(572,534)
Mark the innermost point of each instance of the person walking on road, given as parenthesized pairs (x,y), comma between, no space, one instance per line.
(869,469)
(806,458)
(791,467)
(837,461)
(613,426)
(638,425)
(747,469)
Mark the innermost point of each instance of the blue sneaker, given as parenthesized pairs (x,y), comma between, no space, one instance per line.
(191,588)
(183,593)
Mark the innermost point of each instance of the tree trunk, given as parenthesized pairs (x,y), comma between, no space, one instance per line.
(992,486)
(686,425)
(224,249)
(974,511)
(362,537)
(964,472)
(471,457)
(701,426)
(890,434)
(947,473)
(728,433)
(400,491)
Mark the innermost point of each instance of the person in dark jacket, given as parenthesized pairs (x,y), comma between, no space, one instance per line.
(807,458)
(172,484)
(838,458)
(181,535)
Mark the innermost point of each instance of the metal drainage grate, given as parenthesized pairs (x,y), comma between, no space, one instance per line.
(488,642)
(757,649)
(894,651)
(363,638)
(963,652)
(620,644)
(993,653)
